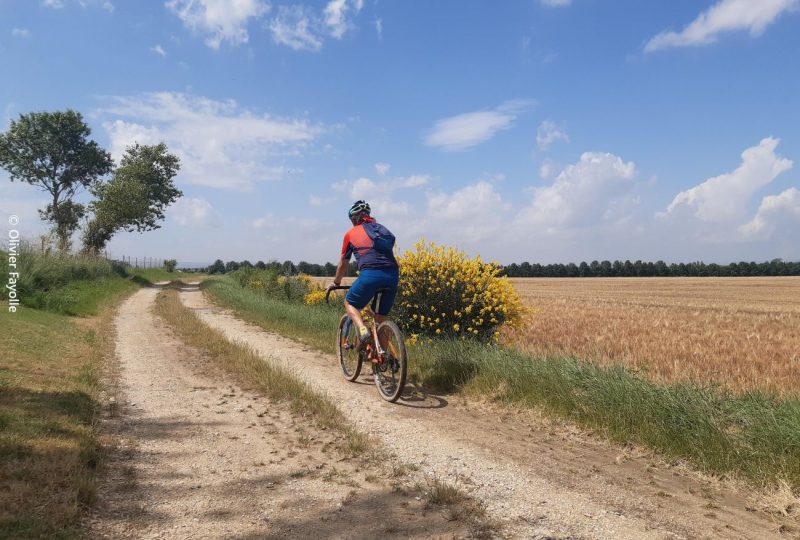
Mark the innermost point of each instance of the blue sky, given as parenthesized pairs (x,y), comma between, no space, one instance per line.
(541,130)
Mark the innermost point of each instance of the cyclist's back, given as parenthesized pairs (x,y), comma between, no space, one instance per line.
(372,245)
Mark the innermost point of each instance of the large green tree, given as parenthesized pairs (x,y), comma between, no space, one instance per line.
(136,197)
(52,150)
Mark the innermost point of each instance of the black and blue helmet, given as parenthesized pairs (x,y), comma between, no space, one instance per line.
(358,207)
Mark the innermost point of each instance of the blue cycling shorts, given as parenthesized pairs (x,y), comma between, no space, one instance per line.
(369,281)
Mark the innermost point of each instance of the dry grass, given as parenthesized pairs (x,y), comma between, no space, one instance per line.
(742,333)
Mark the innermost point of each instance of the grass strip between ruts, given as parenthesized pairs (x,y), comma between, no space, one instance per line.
(248,367)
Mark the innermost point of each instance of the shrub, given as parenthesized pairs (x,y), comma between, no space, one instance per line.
(445,293)
(170,265)
(272,282)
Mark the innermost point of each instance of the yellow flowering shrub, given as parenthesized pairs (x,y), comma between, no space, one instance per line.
(315,296)
(443,292)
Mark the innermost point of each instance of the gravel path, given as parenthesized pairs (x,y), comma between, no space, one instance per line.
(541,481)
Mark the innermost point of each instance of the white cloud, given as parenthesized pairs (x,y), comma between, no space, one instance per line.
(195,212)
(159,50)
(379,27)
(466,130)
(382,168)
(219,143)
(336,16)
(303,29)
(295,27)
(220,20)
(555,3)
(382,196)
(547,169)
(472,213)
(315,200)
(597,189)
(415,180)
(724,16)
(23,33)
(548,133)
(265,222)
(776,214)
(725,197)
(60,4)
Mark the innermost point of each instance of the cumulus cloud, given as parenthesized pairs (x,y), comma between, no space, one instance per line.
(466,130)
(596,189)
(474,212)
(54,4)
(382,168)
(548,133)
(23,33)
(219,143)
(724,16)
(555,3)
(725,197)
(382,195)
(195,212)
(776,214)
(159,50)
(219,20)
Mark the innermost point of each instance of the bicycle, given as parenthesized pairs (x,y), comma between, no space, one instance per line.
(386,352)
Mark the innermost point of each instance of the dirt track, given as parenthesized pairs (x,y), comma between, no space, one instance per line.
(197,457)
(538,478)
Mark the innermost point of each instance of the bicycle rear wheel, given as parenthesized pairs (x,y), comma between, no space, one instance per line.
(390,373)
(347,349)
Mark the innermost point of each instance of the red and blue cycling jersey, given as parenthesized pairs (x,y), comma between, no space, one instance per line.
(357,242)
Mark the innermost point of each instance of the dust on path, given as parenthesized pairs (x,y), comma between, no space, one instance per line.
(198,457)
(540,480)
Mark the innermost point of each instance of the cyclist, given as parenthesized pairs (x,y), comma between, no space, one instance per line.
(372,244)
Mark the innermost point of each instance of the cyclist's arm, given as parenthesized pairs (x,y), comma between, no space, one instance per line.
(341,270)
(344,261)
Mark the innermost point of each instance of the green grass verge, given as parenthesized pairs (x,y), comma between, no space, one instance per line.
(80,298)
(49,449)
(751,435)
(250,369)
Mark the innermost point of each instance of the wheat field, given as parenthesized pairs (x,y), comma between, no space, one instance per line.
(741,333)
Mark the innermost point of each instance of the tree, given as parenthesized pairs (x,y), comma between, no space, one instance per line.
(170,264)
(217,268)
(136,197)
(52,150)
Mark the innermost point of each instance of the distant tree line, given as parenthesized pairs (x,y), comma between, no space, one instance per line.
(776,267)
(287,268)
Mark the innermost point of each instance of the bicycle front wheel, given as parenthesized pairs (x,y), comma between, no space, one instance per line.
(347,349)
(390,373)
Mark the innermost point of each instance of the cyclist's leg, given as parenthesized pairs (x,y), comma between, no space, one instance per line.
(358,296)
(383,302)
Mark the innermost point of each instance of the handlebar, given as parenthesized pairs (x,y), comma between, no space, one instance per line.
(336,288)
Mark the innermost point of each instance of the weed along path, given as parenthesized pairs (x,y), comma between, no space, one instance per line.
(196,456)
(537,478)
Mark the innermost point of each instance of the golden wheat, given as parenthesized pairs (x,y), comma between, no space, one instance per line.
(741,333)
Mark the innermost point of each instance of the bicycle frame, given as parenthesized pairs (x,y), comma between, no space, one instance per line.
(375,359)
